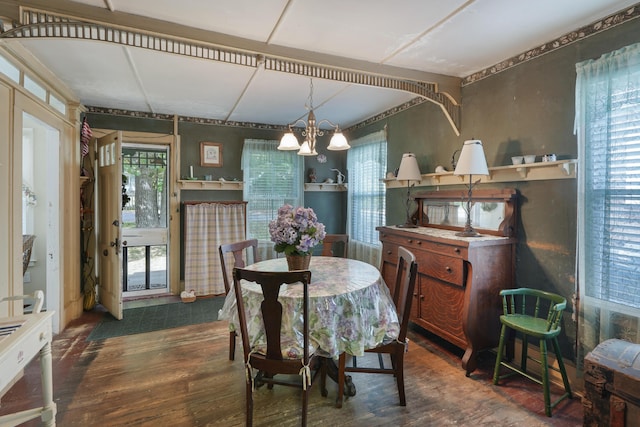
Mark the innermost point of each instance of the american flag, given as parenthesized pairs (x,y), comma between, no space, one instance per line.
(85,137)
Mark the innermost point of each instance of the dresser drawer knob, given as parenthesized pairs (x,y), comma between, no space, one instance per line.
(448,269)
(410,241)
(456,250)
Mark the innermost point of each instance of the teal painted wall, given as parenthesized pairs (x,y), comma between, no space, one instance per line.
(330,207)
(527,109)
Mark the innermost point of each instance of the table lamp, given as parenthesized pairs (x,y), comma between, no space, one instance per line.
(409,171)
(471,162)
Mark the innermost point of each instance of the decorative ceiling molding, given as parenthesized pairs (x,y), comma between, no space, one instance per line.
(574,36)
(249,125)
(36,23)
(171,117)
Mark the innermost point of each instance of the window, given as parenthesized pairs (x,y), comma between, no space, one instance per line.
(608,128)
(10,70)
(367,165)
(271,179)
(57,103)
(35,88)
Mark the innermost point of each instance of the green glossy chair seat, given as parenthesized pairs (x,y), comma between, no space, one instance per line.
(538,314)
(532,326)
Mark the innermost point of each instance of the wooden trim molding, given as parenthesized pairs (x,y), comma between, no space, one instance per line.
(39,23)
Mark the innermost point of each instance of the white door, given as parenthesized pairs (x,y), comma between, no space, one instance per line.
(109,223)
(145,219)
(41,209)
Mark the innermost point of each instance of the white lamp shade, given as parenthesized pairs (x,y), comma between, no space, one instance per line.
(338,142)
(305,150)
(409,170)
(289,142)
(472,160)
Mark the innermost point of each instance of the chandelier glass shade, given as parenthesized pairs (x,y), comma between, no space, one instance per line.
(310,133)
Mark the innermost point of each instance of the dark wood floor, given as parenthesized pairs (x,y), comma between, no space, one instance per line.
(182,377)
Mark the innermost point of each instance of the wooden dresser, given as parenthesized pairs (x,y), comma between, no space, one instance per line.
(459,278)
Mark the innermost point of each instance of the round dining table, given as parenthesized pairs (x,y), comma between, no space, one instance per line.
(350,307)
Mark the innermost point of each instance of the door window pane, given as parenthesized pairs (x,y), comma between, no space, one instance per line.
(146,268)
(144,187)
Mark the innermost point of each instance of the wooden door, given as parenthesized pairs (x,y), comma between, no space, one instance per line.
(109,223)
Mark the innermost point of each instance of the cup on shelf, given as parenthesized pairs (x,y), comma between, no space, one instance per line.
(530,158)
(517,160)
(549,158)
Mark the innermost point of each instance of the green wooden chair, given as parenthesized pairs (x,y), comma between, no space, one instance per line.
(538,314)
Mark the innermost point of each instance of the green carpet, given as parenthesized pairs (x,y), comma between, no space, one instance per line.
(158,317)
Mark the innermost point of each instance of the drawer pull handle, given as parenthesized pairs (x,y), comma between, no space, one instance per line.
(419,242)
(410,241)
(456,250)
(448,269)
(388,252)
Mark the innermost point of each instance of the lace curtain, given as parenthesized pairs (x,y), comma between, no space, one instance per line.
(272,178)
(608,130)
(366,197)
(207,226)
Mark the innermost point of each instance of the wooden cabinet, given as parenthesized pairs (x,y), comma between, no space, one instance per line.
(459,278)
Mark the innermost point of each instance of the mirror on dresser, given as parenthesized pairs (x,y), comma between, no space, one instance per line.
(492,212)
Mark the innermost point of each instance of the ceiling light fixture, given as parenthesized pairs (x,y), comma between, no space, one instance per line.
(312,130)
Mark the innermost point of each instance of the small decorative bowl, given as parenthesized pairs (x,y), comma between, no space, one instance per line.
(530,158)
(517,160)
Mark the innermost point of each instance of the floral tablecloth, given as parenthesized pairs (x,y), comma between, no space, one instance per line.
(350,307)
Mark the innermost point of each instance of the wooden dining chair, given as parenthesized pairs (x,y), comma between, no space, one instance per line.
(403,296)
(333,242)
(238,251)
(278,358)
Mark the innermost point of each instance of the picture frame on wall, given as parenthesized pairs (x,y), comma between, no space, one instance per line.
(210,154)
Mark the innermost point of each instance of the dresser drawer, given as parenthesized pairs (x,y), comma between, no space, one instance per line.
(442,267)
(449,269)
(418,243)
(390,253)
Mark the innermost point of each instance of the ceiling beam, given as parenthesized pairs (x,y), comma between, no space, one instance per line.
(66,19)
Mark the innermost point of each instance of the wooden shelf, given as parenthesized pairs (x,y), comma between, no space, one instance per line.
(323,186)
(561,169)
(188,184)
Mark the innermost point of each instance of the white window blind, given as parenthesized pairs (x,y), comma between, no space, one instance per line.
(271,179)
(367,165)
(608,128)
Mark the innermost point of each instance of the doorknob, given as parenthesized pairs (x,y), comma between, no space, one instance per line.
(115,245)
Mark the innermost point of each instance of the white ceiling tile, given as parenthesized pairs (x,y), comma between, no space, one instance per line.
(456,37)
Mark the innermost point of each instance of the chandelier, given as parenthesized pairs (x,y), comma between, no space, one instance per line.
(312,130)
